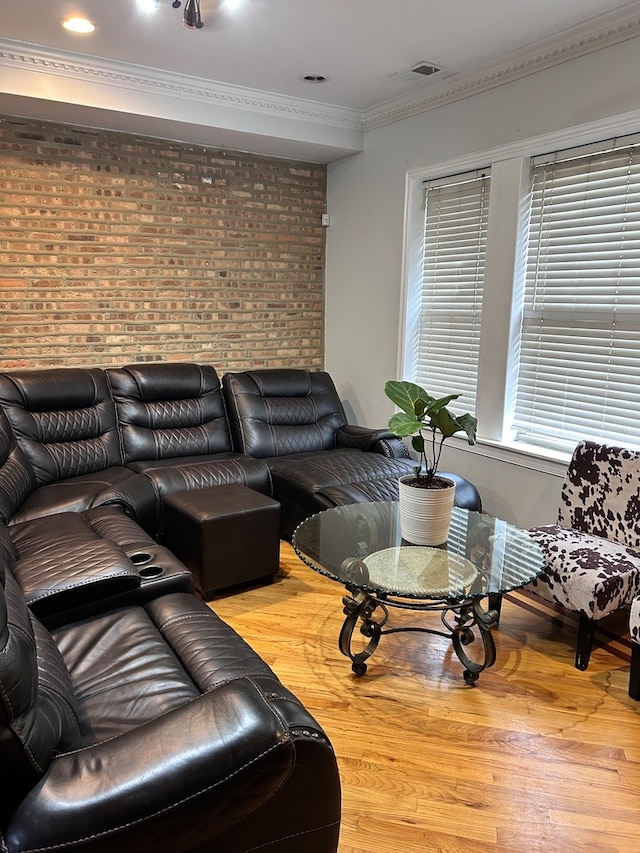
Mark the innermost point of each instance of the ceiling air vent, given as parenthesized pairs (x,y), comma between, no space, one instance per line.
(425,68)
(421,70)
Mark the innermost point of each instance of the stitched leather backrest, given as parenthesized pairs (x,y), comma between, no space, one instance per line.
(276,412)
(17,479)
(64,420)
(38,712)
(169,410)
(601,493)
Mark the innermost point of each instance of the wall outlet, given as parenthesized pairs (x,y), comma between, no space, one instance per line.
(325,219)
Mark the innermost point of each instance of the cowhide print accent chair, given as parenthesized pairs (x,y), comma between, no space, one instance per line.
(634,633)
(593,552)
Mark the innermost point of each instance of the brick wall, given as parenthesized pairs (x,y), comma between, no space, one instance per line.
(118,248)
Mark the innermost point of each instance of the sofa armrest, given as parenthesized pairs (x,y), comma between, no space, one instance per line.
(376,440)
(193,772)
(137,498)
(75,573)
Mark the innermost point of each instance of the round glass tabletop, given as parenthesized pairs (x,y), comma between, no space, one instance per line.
(361,546)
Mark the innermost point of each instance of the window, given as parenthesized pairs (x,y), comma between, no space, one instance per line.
(529,302)
(450,304)
(579,350)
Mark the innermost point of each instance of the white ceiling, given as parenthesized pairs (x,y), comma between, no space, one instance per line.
(252,54)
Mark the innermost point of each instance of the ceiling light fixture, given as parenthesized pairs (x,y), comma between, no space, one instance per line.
(78,25)
(192,17)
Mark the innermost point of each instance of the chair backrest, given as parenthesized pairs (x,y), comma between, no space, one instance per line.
(64,420)
(38,711)
(17,479)
(279,411)
(601,493)
(169,410)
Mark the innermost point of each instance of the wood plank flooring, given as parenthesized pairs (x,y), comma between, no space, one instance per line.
(537,757)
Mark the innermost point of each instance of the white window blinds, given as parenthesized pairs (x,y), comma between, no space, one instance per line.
(455,235)
(579,354)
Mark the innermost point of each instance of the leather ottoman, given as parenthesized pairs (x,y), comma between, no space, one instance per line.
(226,535)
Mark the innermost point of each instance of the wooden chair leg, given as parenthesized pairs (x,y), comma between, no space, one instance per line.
(586,632)
(634,673)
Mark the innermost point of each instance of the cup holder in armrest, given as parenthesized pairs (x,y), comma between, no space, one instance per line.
(151,571)
(140,558)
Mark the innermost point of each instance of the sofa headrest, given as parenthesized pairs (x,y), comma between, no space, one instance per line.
(165,381)
(281,382)
(169,410)
(275,412)
(56,389)
(64,420)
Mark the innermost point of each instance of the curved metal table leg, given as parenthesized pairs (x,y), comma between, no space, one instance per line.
(471,615)
(361,607)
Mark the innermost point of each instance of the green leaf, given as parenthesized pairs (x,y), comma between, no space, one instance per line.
(445,422)
(406,395)
(470,425)
(417,442)
(402,424)
(443,402)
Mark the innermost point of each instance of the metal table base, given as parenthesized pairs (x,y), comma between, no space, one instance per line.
(459,619)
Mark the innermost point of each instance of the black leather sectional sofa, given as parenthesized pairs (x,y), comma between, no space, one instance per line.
(131,716)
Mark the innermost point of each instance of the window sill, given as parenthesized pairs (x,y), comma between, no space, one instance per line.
(523,456)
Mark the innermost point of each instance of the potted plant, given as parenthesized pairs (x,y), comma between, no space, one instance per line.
(426,499)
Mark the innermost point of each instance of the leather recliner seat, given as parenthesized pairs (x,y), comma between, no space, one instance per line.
(70,562)
(153,727)
(174,430)
(294,421)
(64,447)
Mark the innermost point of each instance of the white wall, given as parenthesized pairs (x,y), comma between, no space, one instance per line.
(366,198)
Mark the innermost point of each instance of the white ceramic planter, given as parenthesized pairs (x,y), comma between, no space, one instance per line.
(425,514)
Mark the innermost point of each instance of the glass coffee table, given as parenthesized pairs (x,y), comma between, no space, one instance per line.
(361,547)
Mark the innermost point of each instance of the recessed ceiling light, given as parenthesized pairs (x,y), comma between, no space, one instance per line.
(314,78)
(147,7)
(78,25)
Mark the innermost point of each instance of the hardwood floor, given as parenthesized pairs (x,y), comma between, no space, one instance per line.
(536,757)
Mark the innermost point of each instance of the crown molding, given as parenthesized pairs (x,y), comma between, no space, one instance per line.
(570,44)
(41,59)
